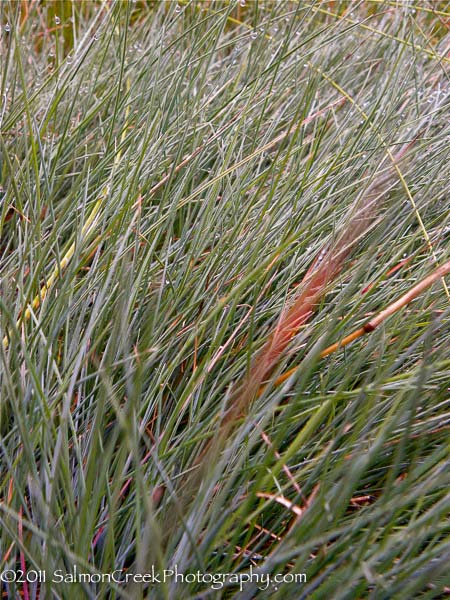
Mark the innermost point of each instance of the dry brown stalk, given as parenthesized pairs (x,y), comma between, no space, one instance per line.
(374,322)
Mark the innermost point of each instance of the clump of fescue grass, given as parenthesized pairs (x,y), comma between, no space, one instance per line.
(170,177)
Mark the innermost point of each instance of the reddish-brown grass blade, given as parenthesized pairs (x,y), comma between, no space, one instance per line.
(323,271)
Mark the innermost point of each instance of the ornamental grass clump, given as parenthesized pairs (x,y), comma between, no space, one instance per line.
(224,304)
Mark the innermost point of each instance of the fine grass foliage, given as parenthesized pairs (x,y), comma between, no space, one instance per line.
(169,173)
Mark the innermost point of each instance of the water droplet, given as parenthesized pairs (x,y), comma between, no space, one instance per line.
(254,34)
(242,2)
(177,8)
(7,27)
(57,20)
(69,59)
(96,36)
